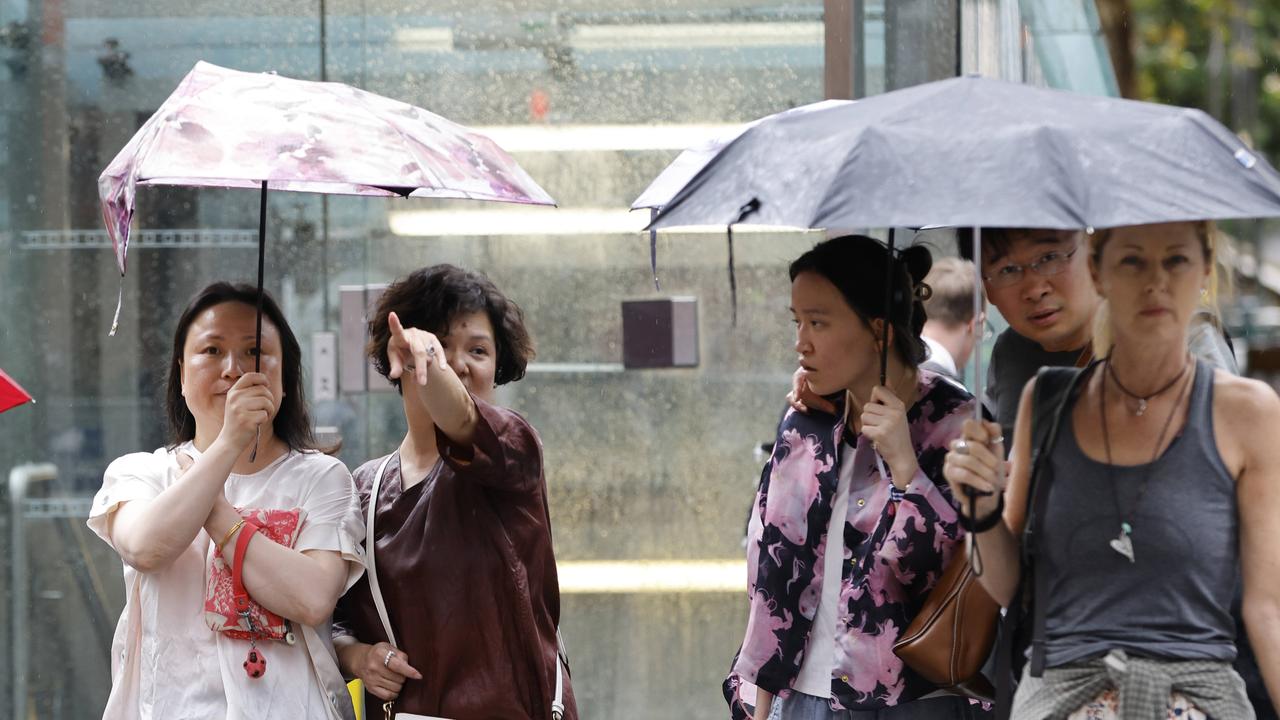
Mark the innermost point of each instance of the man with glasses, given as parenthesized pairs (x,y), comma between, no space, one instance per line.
(952,329)
(1039,281)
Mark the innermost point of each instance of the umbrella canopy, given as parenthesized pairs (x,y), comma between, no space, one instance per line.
(226,128)
(11,393)
(973,151)
(691,161)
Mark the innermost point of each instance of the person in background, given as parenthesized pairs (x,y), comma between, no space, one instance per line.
(951,328)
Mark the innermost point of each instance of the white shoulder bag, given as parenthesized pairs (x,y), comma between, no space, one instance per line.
(557,705)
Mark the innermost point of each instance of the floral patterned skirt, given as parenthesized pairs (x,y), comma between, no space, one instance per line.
(1106,707)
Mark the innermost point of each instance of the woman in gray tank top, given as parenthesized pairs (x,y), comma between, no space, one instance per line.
(1165,485)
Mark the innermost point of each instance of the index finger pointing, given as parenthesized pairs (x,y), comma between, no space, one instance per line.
(396,341)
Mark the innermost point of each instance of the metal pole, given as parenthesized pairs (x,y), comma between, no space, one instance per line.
(20,478)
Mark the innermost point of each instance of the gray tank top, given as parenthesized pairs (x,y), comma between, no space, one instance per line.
(1174,601)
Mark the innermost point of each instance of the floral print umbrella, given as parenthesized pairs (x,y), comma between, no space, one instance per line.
(226,128)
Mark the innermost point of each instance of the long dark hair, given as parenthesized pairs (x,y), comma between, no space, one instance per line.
(855,264)
(292,423)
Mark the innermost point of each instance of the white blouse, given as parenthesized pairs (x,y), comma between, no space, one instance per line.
(166,662)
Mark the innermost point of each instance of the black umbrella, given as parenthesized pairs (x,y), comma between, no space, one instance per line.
(975,152)
(978,152)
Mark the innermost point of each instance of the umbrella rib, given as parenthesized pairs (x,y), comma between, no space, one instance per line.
(146,146)
(404,141)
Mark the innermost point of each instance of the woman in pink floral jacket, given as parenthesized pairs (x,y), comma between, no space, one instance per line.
(853,522)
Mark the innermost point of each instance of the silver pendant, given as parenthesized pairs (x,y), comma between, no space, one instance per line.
(1123,544)
(1142,407)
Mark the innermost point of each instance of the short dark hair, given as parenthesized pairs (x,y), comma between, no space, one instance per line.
(292,424)
(856,265)
(431,298)
(996,242)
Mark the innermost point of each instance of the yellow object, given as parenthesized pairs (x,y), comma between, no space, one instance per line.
(356,688)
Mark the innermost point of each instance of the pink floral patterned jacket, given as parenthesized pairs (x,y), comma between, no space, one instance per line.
(895,546)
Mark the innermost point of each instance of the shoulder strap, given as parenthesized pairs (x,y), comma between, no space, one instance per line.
(374,589)
(1054,390)
(1051,395)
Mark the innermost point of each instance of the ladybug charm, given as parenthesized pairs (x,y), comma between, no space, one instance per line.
(255,666)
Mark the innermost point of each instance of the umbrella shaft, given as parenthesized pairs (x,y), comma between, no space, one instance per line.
(257,339)
(262,245)
(977,314)
(888,313)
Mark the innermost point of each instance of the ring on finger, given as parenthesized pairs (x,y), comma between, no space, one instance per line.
(960,447)
(386,661)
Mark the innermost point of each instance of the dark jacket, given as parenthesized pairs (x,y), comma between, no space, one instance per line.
(467,572)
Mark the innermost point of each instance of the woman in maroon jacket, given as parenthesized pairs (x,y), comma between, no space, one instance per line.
(462,539)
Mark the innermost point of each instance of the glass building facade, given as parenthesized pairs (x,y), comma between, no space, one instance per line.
(650,471)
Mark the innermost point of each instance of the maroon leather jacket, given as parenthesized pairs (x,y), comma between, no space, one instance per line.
(468,577)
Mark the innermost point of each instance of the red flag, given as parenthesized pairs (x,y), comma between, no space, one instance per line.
(11,393)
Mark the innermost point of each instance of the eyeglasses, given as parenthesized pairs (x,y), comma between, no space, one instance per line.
(1050,263)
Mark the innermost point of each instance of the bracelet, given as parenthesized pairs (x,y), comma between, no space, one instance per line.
(230,532)
(982,524)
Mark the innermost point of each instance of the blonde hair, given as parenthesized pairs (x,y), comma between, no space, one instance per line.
(1207,232)
(953,283)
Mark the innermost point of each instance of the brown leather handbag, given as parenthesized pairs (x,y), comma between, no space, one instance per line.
(951,637)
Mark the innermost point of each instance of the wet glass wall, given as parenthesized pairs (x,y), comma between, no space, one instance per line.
(650,471)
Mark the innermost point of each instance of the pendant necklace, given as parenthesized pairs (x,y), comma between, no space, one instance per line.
(1123,543)
(1142,399)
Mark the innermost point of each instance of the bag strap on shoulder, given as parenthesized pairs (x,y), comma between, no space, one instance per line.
(1050,399)
(1051,403)
(371,565)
